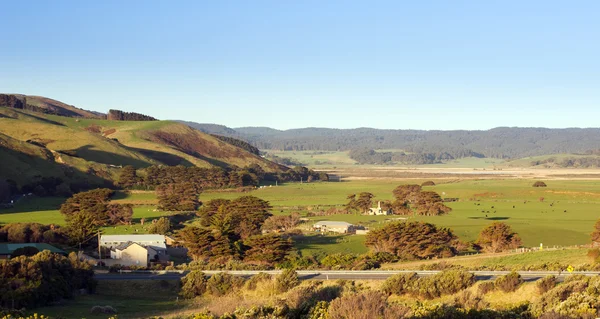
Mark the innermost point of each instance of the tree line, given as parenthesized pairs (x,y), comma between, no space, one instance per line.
(117,115)
(501,142)
(369,156)
(12,101)
(211,178)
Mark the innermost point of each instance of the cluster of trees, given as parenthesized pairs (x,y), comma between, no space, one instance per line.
(47,186)
(370,156)
(231,229)
(239,143)
(412,198)
(409,199)
(178,197)
(32,233)
(413,240)
(117,115)
(12,101)
(211,178)
(498,237)
(41,279)
(419,240)
(86,211)
(8,188)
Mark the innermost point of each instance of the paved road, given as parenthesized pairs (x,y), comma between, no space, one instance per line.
(334,274)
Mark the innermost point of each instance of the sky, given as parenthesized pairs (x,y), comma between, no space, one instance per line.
(288,64)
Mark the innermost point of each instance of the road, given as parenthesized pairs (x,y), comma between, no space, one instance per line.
(335,274)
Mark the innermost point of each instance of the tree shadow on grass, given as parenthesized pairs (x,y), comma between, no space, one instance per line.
(490,218)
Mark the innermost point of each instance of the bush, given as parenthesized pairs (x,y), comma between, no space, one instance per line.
(399,284)
(594,255)
(371,304)
(545,284)
(428,183)
(509,282)
(96,310)
(443,283)
(486,286)
(252,283)
(468,300)
(193,284)
(539,184)
(287,280)
(301,299)
(221,284)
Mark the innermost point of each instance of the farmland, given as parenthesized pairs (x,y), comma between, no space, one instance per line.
(564,217)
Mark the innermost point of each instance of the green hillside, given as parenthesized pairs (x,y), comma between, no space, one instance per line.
(50,145)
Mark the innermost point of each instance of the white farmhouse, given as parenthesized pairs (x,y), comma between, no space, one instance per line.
(334,226)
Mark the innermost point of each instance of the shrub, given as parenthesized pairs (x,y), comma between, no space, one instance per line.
(428,183)
(545,284)
(539,184)
(509,282)
(594,255)
(193,284)
(443,283)
(260,277)
(96,310)
(498,237)
(371,304)
(287,280)
(486,287)
(221,284)
(302,299)
(468,300)
(399,284)
(319,311)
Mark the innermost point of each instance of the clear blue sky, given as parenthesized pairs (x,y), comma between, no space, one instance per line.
(288,64)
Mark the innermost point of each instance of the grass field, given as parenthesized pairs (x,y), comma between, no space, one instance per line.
(517,261)
(330,159)
(565,217)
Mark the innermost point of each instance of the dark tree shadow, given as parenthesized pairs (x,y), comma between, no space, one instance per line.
(490,218)
(163,157)
(87,153)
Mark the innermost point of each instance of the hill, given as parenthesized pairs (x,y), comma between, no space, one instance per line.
(53,106)
(501,142)
(38,144)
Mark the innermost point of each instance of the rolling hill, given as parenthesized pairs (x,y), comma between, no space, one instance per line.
(37,144)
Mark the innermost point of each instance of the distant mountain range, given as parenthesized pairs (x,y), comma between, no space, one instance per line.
(501,142)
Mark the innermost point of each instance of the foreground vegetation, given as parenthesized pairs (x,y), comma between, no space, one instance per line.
(450,294)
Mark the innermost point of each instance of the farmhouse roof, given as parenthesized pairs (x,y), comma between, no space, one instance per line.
(330,223)
(124,246)
(133,238)
(7,249)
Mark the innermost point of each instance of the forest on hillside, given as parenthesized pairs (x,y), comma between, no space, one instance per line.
(501,142)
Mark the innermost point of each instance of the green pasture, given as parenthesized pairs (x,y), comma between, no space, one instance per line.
(517,261)
(565,216)
(329,159)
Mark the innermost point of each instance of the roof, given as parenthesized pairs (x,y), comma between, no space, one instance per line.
(133,238)
(332,223)
(7,249)
(124,245)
